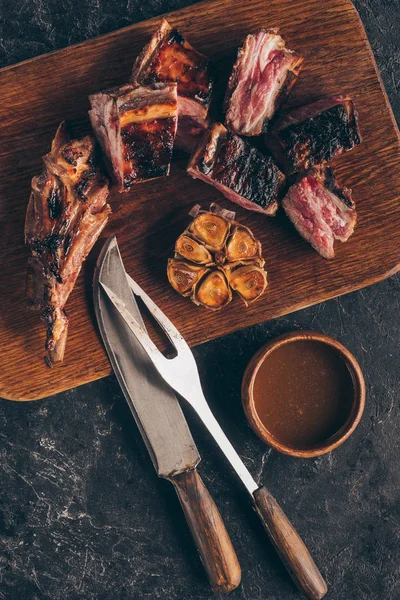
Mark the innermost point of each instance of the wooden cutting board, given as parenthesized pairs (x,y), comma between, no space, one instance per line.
(38,94)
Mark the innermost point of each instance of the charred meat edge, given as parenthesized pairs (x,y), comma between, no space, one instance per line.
(203,160)
(118,115)
(193,109)
(293,148)
(67,211)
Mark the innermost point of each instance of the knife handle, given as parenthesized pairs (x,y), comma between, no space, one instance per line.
(208,530)
(289,546)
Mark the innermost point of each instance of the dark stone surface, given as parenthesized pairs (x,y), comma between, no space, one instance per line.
(82,513)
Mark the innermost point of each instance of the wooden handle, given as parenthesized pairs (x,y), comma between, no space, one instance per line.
(210,535)
(289,546)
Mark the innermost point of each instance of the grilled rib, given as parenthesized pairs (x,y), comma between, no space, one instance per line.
(261,80)
(240,172)
(169,57)
(314,134)
(66,213)
(136,128)
(320,210)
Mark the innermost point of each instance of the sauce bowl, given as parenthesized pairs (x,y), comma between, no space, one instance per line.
(355,396)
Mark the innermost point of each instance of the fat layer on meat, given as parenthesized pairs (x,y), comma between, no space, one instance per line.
(262,77)
(136,128)
(169,57)
(320,210)
(314,134)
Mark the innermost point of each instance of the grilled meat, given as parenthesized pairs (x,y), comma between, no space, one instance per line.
(320,210)
(169,57)
(261,80)
(66,213)
(239,171)
(314,134)
(136,128)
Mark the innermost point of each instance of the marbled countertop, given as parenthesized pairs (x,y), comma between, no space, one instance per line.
(82,513)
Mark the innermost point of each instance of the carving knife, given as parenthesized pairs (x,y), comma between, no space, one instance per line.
(181,373)
(161,422)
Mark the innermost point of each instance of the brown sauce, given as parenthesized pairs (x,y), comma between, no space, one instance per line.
(303,393)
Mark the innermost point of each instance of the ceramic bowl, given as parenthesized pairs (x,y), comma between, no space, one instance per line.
(348,426)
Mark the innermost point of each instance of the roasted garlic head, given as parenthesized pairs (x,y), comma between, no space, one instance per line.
(214,256)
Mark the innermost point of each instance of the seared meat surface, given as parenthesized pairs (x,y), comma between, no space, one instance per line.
(66,213)
(239,171)
(262,77)
(320,210)
(314,134)
(169,57)
(136,128)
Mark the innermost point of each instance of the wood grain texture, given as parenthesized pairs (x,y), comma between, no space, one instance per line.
(289,546)
(209,533)
(39,93)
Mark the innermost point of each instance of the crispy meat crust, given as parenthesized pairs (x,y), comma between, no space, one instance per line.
(66,213)
(321,210)
(237,170)
(169,57)
(314,134)
(136,128)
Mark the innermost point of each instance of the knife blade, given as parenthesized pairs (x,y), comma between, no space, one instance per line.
(181,373)
(161,422)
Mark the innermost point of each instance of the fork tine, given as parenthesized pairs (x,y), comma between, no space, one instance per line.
(170,330)
(142,336)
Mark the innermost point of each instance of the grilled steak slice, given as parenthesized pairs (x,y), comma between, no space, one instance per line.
(320,210)
(66,213)
(239,171)
(314,134)
(261,80)
(136,128)
(169,57)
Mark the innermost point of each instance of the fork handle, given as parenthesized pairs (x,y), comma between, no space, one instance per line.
(208,530)
(289,546)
